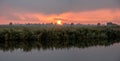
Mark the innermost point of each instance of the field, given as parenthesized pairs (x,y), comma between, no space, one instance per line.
(50,37)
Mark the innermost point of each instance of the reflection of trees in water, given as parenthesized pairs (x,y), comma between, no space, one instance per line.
(29,45)
(54,38)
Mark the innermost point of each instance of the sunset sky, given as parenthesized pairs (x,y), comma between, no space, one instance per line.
(68,11)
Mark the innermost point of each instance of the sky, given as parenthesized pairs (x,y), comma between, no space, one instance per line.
(68,11)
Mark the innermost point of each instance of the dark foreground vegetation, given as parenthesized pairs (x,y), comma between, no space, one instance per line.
(56,37)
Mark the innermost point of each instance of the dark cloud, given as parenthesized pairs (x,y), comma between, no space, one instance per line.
(59,6)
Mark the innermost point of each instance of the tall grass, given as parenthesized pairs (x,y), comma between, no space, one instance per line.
(48,37)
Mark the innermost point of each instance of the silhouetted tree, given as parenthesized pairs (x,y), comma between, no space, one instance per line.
(10,23)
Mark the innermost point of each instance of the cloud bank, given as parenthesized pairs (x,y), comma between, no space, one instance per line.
(46,11)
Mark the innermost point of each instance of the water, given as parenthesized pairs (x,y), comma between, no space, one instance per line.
(95,53)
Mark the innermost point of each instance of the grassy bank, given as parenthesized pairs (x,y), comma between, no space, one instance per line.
(28,37)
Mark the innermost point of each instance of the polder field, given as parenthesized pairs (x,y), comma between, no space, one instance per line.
(28,37)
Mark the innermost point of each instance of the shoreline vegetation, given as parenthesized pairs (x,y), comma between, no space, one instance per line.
(56,37)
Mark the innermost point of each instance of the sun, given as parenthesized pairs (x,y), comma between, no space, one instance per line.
(59,22)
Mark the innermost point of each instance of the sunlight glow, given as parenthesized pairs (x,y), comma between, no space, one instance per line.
(59,22)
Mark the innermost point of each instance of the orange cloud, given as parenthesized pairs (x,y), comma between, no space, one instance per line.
(92,17)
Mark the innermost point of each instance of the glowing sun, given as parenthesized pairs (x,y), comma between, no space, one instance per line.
(59,22)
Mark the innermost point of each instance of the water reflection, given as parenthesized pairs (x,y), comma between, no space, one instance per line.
(45,45)
(99,53)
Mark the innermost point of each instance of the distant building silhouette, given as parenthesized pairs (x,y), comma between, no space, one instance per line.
(111,24)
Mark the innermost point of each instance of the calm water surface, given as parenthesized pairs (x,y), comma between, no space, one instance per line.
(98,53)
